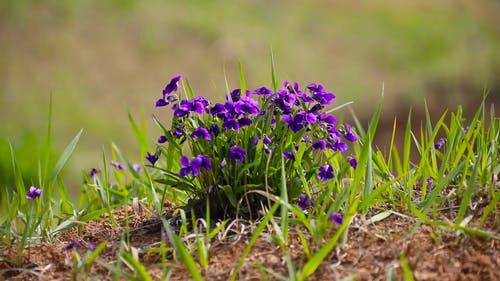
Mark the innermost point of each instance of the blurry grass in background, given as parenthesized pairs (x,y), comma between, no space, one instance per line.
(100,59)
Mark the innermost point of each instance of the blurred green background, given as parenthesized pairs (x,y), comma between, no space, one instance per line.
(102,59)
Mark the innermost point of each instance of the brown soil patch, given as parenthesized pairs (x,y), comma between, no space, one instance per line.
(371,251)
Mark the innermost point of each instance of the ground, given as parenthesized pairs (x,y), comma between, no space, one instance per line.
(370,252)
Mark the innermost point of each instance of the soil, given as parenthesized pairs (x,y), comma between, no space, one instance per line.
(371,251)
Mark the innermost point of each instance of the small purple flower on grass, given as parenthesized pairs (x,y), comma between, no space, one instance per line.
(93,172)
(201,133)
(152,158)
(214,130)
(33,193)
(289,155)
(353,162)
(73,245)
(198,162)
(439,144)
(319,145)
(305,201)
(117,165)
(349,135)
(237,154)
(173,85)
(337,218)
(137,168)
(325,172)
(161,103)
(162,139)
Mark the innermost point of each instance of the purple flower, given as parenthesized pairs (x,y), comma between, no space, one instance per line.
(338,146)
(214,130)
(263,91)
(337,218)
(198,162)
(33,193)
(201,133)
(178,133)
(235,95)
(320,95)
(430,182)
(173,85)
(73,245)
(162,139)
(161,102)
(152,158)
(349,135)
(231,124)
(237,154)
(218,110)
(246,105)
(91,246)
(289,155)
(328,119)
(319,145)
(439,144)
(305,201)
(93,172)
(325,172)
(137,168)
(266,140)
(255,141)
(117,165)
(244,121)
(294,123)
(353,162)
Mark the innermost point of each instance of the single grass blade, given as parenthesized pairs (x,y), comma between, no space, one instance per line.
(64,157)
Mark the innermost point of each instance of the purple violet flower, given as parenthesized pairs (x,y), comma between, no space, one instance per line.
(33,193)
(173,85)
(117,165)
(246,105)
(152,158)
(353,162)
(305,201)
(214,130)
(439,144)
(319,145)
(325,172)
(198,162)
(137,168)
(266,140)
(337,218)
(73,245)
(93,172)
(349,135)
(237,154)
(201,133)
(177,133)
(162,139)
(161,102)
(289,155)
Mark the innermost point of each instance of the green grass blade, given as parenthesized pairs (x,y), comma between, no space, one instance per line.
(139,134)
(64,157)
(137,266)
(185,255)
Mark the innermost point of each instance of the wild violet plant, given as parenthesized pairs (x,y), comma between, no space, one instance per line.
(221,152)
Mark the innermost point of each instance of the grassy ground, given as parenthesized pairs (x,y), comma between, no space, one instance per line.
(385,218)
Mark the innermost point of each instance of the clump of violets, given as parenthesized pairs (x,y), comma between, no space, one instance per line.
(222,150)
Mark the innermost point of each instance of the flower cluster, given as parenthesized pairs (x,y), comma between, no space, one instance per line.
(247,137)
